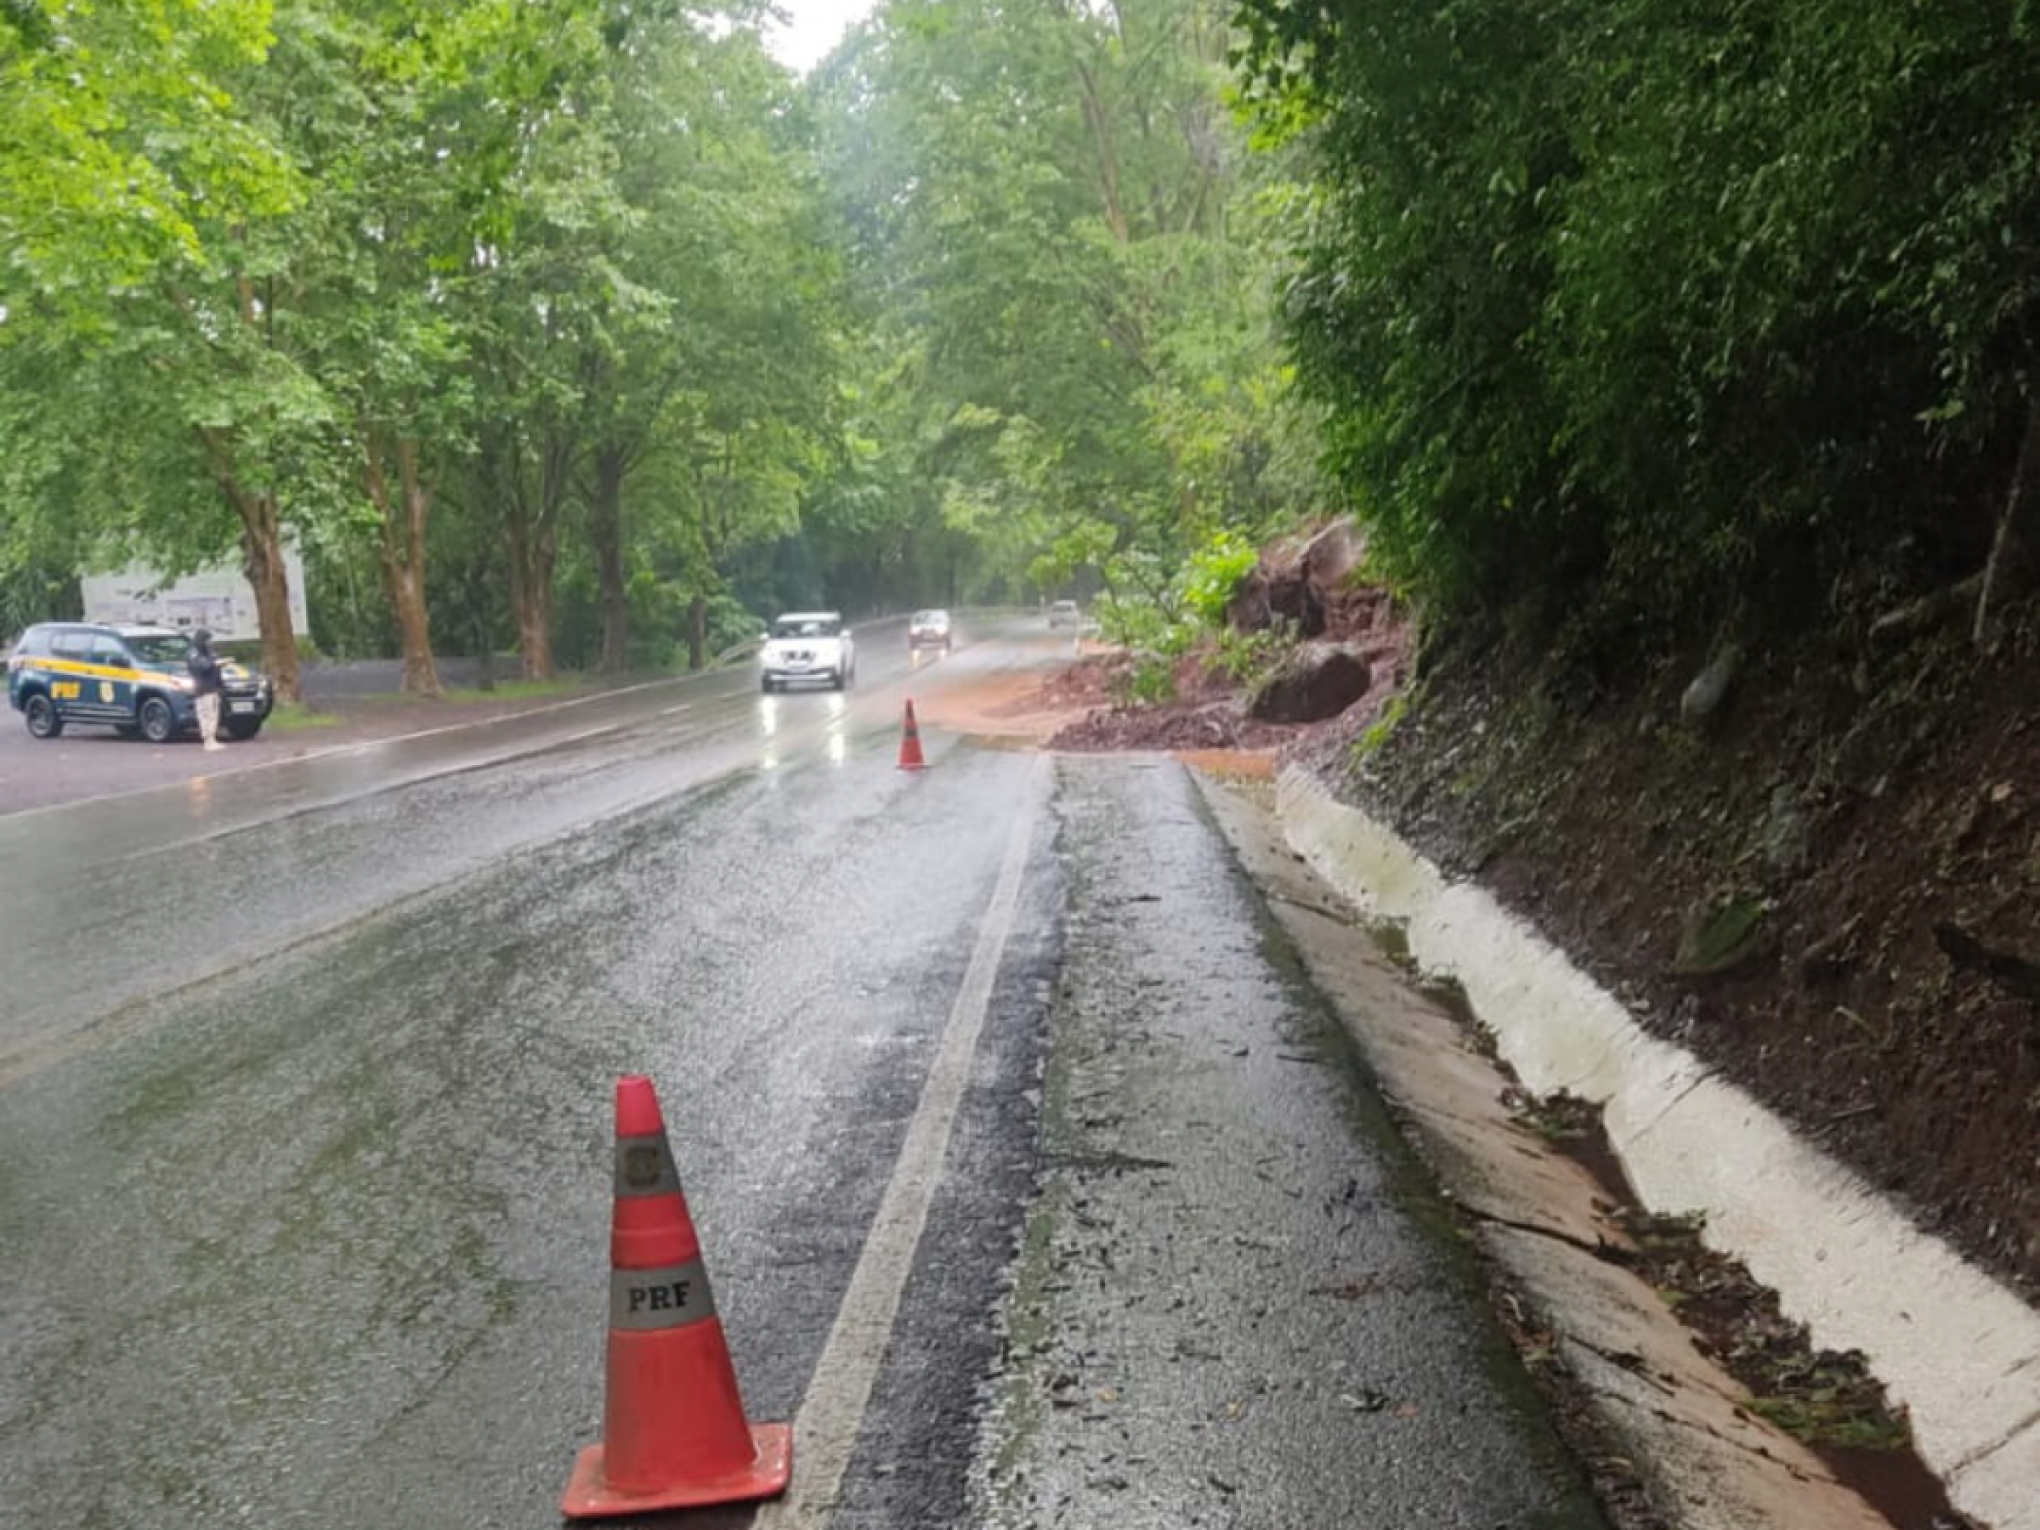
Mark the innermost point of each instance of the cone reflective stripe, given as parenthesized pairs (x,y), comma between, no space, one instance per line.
(674,1433)
(910,742)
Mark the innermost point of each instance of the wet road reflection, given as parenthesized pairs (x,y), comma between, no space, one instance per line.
(313,1234)
(240,865)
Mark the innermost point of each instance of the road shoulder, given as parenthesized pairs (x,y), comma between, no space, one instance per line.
(1638,1398)
(1235,1303)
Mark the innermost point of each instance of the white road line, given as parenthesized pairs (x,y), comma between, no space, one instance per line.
(825,1430)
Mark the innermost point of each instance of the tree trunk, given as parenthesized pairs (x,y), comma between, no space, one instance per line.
(532,530)
(262,563)
(2010,568)
(605,529)
(534,615)
(1097,117)
(532,557)
(697,633)
(400,550)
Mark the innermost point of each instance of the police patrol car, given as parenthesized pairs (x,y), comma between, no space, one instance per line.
(133,679)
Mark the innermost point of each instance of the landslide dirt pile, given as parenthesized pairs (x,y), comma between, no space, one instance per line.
(1305,589)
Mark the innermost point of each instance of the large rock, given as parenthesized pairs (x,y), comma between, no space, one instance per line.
(1248,610)
(1318,680)
(1296,582)
(1330,556)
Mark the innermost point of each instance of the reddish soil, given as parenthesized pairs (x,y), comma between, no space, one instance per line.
(1016,706)
(1208,710)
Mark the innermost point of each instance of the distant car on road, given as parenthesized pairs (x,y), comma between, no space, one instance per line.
(807,645)
(1064,613)
(928,629)
(129,678)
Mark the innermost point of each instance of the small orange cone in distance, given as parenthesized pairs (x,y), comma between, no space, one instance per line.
(673,1428)
(910,742)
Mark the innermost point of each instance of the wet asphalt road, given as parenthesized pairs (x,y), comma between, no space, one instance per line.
(305,1140)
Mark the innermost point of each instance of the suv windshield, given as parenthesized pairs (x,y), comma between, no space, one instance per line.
(160,648)
(805,627)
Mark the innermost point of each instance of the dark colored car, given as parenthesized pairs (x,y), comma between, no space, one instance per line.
(131,679)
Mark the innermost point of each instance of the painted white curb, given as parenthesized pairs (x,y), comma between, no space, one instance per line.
(1957,1348)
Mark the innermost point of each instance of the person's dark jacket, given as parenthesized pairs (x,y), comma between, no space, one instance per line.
(204,665)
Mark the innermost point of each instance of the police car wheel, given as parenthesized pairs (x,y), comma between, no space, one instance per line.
(158,723)
(240,732)
(42,716)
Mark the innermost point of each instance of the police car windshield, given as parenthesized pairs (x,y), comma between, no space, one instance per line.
(160,648)
(809,628)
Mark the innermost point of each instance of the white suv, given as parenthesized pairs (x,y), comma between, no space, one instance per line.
(807,645)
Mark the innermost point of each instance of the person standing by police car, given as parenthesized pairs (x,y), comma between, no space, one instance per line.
(204,665)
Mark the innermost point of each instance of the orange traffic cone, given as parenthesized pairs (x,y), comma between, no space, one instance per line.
(673,1427)
(910,742)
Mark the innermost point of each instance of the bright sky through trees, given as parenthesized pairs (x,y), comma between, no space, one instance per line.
(814,27)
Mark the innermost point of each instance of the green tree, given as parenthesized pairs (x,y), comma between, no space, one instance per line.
(120,137)
(144,204)
(1636,311)
(1064,249)
(722,401)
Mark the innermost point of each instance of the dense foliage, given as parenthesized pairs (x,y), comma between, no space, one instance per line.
(586,327)
(1647,309)
(1068,257)
(517,320)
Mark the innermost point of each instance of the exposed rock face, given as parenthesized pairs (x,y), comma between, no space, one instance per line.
(1319,680)
(1330,556)
(1299,582)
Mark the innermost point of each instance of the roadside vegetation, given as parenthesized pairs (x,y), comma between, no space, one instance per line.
(586,329)
(1630,321)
